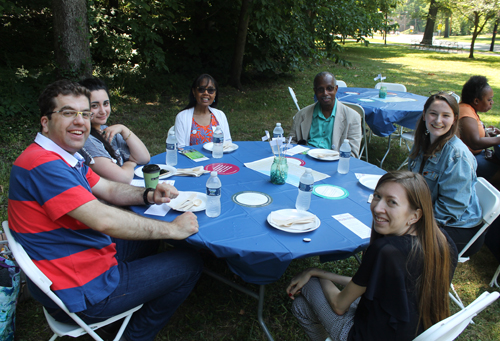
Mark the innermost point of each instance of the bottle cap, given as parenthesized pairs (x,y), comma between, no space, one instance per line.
(346,141)
(214,173)
(308,170)
(278,124)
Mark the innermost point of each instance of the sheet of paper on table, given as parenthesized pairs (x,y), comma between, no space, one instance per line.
(140,182)
(353,224)
(296,150)
(158,210)
(394,99)
(294,171)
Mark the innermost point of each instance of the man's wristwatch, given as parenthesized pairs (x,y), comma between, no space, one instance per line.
(145,196)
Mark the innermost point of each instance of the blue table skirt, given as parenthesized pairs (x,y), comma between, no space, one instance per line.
(253,249)
(381,116)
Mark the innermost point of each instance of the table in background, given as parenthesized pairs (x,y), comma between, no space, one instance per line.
(381,116)
(254,250)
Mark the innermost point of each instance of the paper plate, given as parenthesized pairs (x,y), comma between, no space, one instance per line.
(370,181)
(171,171)
(292,213)
(332,155)
(252,199)
(208,146)
(184,196)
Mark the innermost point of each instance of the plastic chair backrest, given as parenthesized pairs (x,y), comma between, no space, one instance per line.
(489,199)
(391,86)
(39,278)
(341,84)
(294,97)
(449,328)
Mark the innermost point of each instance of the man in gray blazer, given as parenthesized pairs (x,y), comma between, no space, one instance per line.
(326,123)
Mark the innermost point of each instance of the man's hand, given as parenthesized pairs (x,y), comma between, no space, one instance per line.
(184,225)
(162,194)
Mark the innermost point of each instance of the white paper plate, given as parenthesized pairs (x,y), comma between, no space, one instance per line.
(332,154)
(292,213)
(370,181)
(171,171)
(208,146)
(184,196)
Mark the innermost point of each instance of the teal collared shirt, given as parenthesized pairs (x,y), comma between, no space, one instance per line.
(321,131)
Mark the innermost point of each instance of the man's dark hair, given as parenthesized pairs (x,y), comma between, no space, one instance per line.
(323,74)
(46,101)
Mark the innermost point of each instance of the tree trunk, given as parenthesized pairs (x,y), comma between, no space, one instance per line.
(239,49)
(429,26)
(71,39)
(447,28)
(492,46)
(385,31)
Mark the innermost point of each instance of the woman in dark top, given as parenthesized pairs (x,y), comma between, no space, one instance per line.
(400,289)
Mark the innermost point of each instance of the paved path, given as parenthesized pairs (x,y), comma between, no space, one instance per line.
(411,38)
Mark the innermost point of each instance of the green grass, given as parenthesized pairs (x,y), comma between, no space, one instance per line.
(215,311)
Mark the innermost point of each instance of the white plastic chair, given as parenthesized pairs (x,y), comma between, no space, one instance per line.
(394,87)
(294,98)
(489,199)
(408,137)
(41,281)
(450,328)
(341,84)
(359,109)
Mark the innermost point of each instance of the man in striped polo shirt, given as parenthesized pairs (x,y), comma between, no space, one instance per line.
(102,260)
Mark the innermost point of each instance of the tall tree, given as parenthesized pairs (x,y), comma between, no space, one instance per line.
(495,27)
(478,12)
(431,20)
(71,38)
(239,47)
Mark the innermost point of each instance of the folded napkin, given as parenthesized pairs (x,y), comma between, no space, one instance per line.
(327,155)
(288,222)
(195,171)
(227,146)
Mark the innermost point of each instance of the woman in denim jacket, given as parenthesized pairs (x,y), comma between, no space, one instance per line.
(449,169)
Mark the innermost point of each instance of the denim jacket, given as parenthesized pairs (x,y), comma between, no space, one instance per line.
(451,176)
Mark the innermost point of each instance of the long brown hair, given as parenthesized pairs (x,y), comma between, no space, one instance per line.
(432,249)
(423,140)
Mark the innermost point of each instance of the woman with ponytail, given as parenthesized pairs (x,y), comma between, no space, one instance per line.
(111,151)
(401,287)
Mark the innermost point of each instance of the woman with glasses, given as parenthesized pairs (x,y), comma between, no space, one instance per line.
(449,169)
(197,122)
(111,151)
(477,96)
(396,293)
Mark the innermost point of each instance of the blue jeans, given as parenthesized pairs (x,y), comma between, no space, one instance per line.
(160,281)
(485,168)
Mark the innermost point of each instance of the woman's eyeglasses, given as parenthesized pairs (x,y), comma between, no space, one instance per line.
(202,89)
(439,92)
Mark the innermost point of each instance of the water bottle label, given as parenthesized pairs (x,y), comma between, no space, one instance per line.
(213,192)
(306,188)
(218,139)
(345,154)
(171,146)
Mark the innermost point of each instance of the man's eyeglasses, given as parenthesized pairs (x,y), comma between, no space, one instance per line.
(202,89)
(86,115)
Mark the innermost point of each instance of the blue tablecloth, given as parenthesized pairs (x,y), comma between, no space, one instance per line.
(381,116)
(254,250)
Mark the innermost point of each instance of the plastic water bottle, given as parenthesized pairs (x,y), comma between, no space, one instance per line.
(345,154)
(218,140)
(305,191)
(171,149)
(277,132)
(213,196)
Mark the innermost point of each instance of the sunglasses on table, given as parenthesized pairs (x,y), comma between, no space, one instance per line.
(202,89)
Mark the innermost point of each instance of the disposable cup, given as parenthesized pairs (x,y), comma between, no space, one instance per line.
(151,175)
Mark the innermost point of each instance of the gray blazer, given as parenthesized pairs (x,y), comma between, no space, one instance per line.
(347,126)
